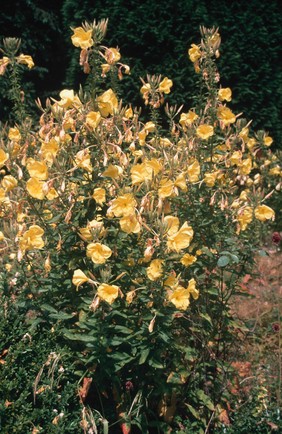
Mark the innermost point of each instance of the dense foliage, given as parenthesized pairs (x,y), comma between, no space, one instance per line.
(124,237)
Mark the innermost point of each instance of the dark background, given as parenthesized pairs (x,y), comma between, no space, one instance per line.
(154,38)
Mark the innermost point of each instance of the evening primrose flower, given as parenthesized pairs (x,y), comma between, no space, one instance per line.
(166,188)
(112,171)
(225,115)
(112,55)
(93,119)
(99,195)
(188,260)
(205,131)
(37,169)
(98,253)
(140,173)
(25,60)
(32,239)
(267,141)
(14,134)
(155,270)
(49,150)
(35,188)
(193,171)
(79,278)
(171,224)
(108,292)
(188,118)
(225,94)
(123,205)
(68,99)
(210,178)
(165,85)
(82,160)
(9,182)
(107,103)
(245,166)
(244,217)
(181,239)
(264,212)
(4,62)
(180,297)
(82,38)
(130,224)
(3,157)
(194,52)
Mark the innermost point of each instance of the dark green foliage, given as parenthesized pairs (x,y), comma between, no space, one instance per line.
(28,353)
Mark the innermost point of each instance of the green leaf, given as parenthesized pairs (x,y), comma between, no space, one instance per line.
(193,411)
(143,356)
(205,400)
(223,261)
(80,337)
(206,317)
(48,308)
(61,315)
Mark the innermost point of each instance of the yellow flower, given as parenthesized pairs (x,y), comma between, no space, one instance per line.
(49,150)
(181,182)
(123,205)
(180,298)
(188,118)
(140,173)
(204,131)
(82,38)
(251,142)
(210,178)
(188,260)
(14,134)
(165,188)
(128,113)
(9,182)
(4,62)
(225,94)
(130,224)
(25,60)
(130,296)
(267,140)
(193,171)
(145,89)
(107,103)
(165,85)
(149,127)
(225,115)
(69,99)
(263,213)
(155,165)
(2,236)
(37,169)
(108,292)
(155,270)
(98,252)
(172,281)
(192,289)
(82,160)
(93,119)
(245,217)
(181,239)
(112,55)
(245,166)
(3,157)
(52,193)
(244,133)
(194,53)
(112,171)
(171,224)
(236,158)
(32,238)
(79,278)
(99,195)
(35,188)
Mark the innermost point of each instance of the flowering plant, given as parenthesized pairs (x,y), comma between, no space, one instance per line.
(129,237)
